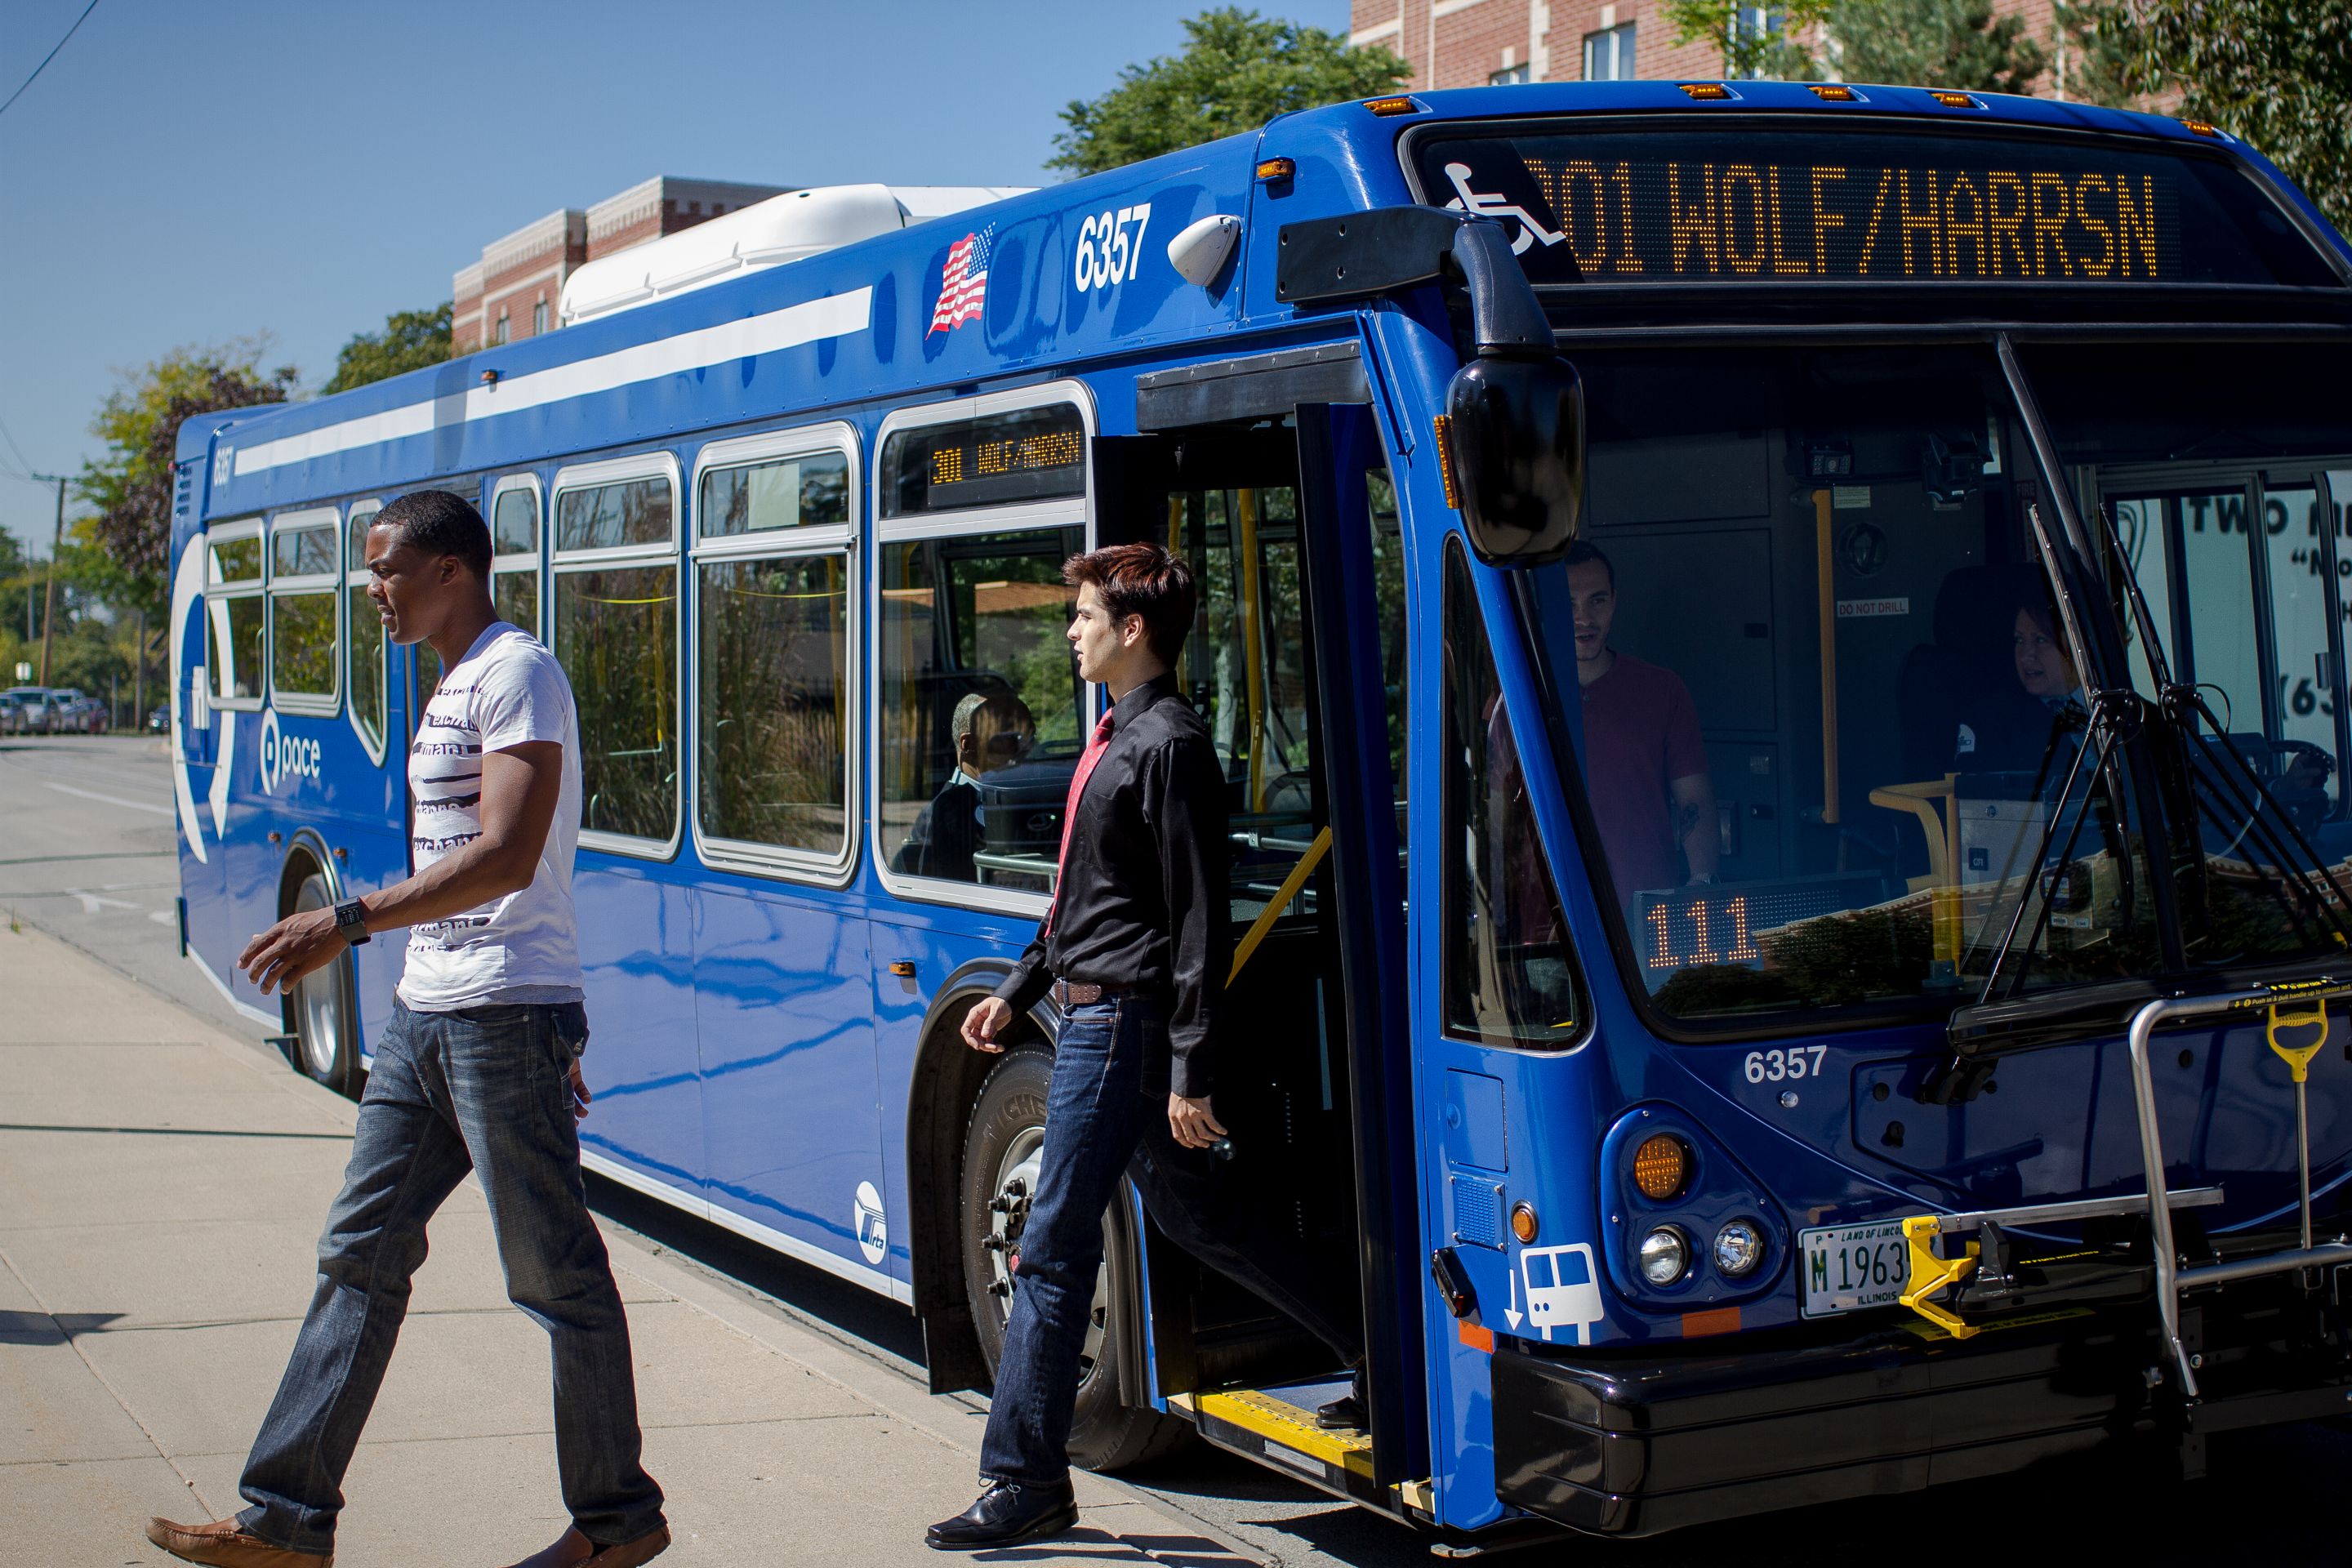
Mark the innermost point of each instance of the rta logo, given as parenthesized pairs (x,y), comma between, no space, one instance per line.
(285,756)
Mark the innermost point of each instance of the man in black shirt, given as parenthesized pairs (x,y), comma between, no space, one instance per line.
(1135,951)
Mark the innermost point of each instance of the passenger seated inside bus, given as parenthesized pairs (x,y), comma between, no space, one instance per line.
(992,732)
(1645,762)
(2024,729)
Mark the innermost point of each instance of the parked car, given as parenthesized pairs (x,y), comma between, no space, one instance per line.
(12,713)
(159,721)
(36,708)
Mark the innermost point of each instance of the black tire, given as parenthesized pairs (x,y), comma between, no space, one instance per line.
(999,1147)
(323,1009)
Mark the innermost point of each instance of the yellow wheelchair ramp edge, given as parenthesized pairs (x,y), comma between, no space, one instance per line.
(1262,1424)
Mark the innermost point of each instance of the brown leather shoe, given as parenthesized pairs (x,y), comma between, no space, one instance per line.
(223,1545)
(573,1549)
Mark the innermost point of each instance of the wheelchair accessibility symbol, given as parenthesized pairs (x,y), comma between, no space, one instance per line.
(1532,228)
(1563,1290)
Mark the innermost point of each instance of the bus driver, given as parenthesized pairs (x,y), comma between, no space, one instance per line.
(1644,763)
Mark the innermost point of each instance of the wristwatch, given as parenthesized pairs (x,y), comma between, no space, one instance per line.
(351,919)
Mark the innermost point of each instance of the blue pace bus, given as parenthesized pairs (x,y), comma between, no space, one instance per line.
(1779,655)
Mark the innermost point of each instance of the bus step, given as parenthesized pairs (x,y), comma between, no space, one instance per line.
(1277,1425)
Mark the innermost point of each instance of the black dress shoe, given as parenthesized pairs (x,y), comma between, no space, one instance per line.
(1007,1514)
(1345,1414)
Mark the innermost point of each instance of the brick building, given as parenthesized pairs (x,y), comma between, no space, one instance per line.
(514,290)
(1475,43)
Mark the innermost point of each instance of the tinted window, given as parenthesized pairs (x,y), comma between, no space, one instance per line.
(514,522)
(616,635)
(635,511)
(770,692)
(796,492)
(981,706)
(303,649)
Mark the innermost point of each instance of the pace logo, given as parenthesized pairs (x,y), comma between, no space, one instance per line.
(285,756)
(872,1230)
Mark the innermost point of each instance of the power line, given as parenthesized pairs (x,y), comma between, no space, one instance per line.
(45,63)
(22,461)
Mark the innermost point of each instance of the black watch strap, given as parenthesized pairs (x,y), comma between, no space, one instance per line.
(351,920)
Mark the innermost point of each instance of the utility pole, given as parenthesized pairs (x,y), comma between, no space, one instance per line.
(49,591)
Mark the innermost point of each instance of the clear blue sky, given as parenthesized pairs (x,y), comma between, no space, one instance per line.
(192,173)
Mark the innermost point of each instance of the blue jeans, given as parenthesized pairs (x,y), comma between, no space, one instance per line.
(1106,1116)
(484,1089)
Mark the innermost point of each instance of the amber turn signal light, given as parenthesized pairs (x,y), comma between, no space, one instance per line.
(1660,1166)
(1955,100)
(1834,92)
(2199,128)
(1523,1222)
(1276,169)
(1706,91)
(1445,425)
(1385,107)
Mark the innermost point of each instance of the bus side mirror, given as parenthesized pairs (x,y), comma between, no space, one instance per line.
(1516,427)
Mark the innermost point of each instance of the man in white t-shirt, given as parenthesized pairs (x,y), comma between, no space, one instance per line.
(479,1070)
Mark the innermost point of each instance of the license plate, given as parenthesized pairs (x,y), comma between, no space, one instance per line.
(1843,1268)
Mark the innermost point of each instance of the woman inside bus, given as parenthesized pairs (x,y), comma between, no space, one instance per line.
(2025,730)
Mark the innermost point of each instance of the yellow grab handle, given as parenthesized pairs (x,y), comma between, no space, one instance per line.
(2287,1015)
(1930,1274)
(1279,902)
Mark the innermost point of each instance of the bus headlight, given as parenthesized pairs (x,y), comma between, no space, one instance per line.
(1738,1249)
(1665,1256)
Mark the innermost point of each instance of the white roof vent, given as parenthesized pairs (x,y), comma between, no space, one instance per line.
(766,234)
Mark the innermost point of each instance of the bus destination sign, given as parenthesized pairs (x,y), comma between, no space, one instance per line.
(1782,208)
(1036,454)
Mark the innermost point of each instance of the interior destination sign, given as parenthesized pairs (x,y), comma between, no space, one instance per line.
(995,460)
(1790,207)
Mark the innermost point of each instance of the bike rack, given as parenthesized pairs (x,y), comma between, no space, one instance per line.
(2173,1275)
(2285,1008)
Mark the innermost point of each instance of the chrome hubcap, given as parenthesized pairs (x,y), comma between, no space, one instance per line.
(320,1003)
(1008,1216)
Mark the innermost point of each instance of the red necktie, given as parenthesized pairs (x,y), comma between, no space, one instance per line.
(1087,762)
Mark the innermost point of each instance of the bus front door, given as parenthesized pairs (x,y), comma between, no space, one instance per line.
(1295,662)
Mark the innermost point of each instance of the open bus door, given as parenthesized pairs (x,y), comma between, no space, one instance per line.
(1295,663)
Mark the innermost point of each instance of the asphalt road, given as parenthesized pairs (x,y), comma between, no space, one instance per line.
(86,855)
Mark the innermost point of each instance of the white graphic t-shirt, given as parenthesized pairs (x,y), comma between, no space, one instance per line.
(525,946)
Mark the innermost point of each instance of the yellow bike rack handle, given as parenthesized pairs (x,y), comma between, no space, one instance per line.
(2288,1015)
(1930,1274)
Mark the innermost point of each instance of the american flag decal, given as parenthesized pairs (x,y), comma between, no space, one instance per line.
(963,282)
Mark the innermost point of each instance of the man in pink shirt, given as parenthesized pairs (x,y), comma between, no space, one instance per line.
(1644,763)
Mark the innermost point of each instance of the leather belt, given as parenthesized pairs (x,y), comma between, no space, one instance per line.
(1072,993)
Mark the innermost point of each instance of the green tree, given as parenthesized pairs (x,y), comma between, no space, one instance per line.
(1750,50)
(131,485)
(2276,72)
(1935,43)
(1238,70)
(410,340)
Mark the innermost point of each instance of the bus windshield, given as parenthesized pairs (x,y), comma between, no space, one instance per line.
(1829,740)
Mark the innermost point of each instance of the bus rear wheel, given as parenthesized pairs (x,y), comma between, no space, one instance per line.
(1111,1428)
(325,1009)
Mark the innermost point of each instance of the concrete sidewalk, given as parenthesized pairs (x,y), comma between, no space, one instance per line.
(161,1188)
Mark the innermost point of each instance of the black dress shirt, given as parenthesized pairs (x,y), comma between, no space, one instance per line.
(1143,902)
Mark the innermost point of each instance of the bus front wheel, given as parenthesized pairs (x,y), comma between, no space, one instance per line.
(324,1005)
(1002,1144)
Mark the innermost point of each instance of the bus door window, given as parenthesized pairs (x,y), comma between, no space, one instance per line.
(236,613)
(302,653)
(772,658)
(2224,640)
(1389,590)
(2303,698)
(2144,524)
(616,633)
(982,713)
(514,552)
(365,671)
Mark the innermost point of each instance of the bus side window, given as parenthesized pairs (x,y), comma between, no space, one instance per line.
(364,649)
(303,662)
(615,620)
(236,613)
(981,710)
(772,681)
(982,715)
(514,552)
